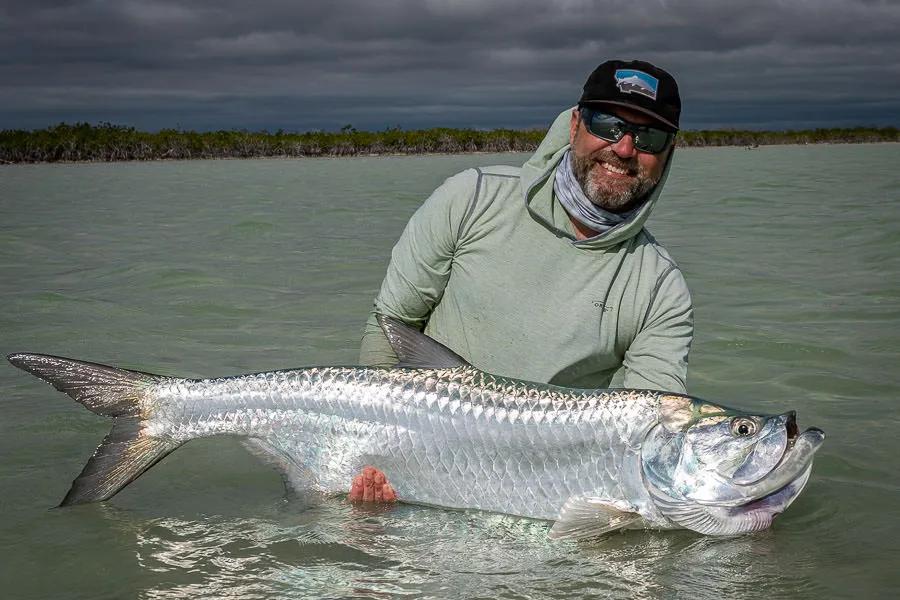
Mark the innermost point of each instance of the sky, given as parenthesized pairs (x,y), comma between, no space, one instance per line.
(319,65)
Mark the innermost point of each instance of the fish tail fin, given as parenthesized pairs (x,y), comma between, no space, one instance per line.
(123,456)
(103,390)
(128,450)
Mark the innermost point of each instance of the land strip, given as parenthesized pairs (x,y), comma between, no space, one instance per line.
(109,142)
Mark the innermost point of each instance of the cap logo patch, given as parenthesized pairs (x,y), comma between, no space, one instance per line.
(630,81)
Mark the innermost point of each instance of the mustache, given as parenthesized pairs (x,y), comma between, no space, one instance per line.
(613,159)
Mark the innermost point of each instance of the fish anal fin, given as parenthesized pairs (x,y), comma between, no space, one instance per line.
(585,517)
(415,349)
(298,480)
(125,454)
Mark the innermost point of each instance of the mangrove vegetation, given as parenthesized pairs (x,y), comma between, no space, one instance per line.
(109,142)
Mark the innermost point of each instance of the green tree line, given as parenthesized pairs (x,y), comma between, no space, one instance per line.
(109,142)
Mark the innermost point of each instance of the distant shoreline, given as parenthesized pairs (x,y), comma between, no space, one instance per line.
(391,154)
(113,143)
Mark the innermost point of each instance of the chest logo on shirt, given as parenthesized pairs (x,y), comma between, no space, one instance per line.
(601,305)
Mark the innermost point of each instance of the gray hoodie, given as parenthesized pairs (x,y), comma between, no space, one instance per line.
(490,267)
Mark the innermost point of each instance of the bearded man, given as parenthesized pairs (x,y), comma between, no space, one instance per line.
(546,272)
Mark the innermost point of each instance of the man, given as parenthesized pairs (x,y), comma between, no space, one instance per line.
(546,273)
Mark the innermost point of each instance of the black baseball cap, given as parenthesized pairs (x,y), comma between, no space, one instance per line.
(635,84)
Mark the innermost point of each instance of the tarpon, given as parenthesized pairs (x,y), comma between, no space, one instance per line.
(450,435)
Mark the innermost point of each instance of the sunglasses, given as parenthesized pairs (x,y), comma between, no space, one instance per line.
(611,128)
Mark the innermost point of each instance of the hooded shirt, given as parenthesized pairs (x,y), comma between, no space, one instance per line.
(490,267)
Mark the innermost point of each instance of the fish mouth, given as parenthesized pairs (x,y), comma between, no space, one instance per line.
(760,513)
(793,431)
(813,438)
(794,465)
(795,460)
(793,434)
(775,503)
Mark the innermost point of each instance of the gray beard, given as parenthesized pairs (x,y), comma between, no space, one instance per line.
(613,200)
(569,194)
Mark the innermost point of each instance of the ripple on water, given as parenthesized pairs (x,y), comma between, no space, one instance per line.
(252,228)
(336,550)
(166,278)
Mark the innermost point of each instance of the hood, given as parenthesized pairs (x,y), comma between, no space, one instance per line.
(537,184)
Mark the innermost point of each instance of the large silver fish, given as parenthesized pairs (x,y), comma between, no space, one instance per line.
(450,435)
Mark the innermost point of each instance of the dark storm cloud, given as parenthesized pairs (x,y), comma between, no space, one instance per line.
(303,65)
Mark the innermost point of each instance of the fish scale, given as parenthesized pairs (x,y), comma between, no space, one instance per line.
(420,425)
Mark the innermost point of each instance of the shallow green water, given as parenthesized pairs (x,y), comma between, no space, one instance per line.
(219,267)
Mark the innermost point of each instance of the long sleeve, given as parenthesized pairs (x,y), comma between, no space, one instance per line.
(420,265)
(658,356)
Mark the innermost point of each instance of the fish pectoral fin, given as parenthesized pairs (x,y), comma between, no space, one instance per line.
(584,517)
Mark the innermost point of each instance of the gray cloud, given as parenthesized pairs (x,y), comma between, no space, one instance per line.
(304,65)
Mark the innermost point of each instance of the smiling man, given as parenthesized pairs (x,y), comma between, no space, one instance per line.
(546,272)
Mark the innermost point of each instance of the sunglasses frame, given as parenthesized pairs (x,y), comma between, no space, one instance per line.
(624,127)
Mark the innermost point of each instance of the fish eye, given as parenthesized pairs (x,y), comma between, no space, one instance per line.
(743,427)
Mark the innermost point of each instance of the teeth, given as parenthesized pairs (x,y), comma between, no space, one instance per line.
(613,169)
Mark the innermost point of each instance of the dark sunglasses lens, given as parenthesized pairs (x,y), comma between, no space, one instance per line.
(611,128)
(651,140)
(606,127)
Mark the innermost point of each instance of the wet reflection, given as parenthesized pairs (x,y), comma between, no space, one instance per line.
(337,550)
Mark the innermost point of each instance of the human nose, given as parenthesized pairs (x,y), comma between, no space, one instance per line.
(624,148)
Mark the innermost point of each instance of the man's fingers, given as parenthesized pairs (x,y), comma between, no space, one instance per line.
(356,489)
(371,485)
(387,493)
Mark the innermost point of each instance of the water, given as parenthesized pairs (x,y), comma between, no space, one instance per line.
(220,267)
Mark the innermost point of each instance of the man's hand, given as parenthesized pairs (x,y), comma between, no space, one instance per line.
(371,486)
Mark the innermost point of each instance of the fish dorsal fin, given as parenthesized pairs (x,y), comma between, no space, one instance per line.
(415,349)
(585,517)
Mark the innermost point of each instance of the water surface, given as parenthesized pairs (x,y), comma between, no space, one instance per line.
(219,267)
